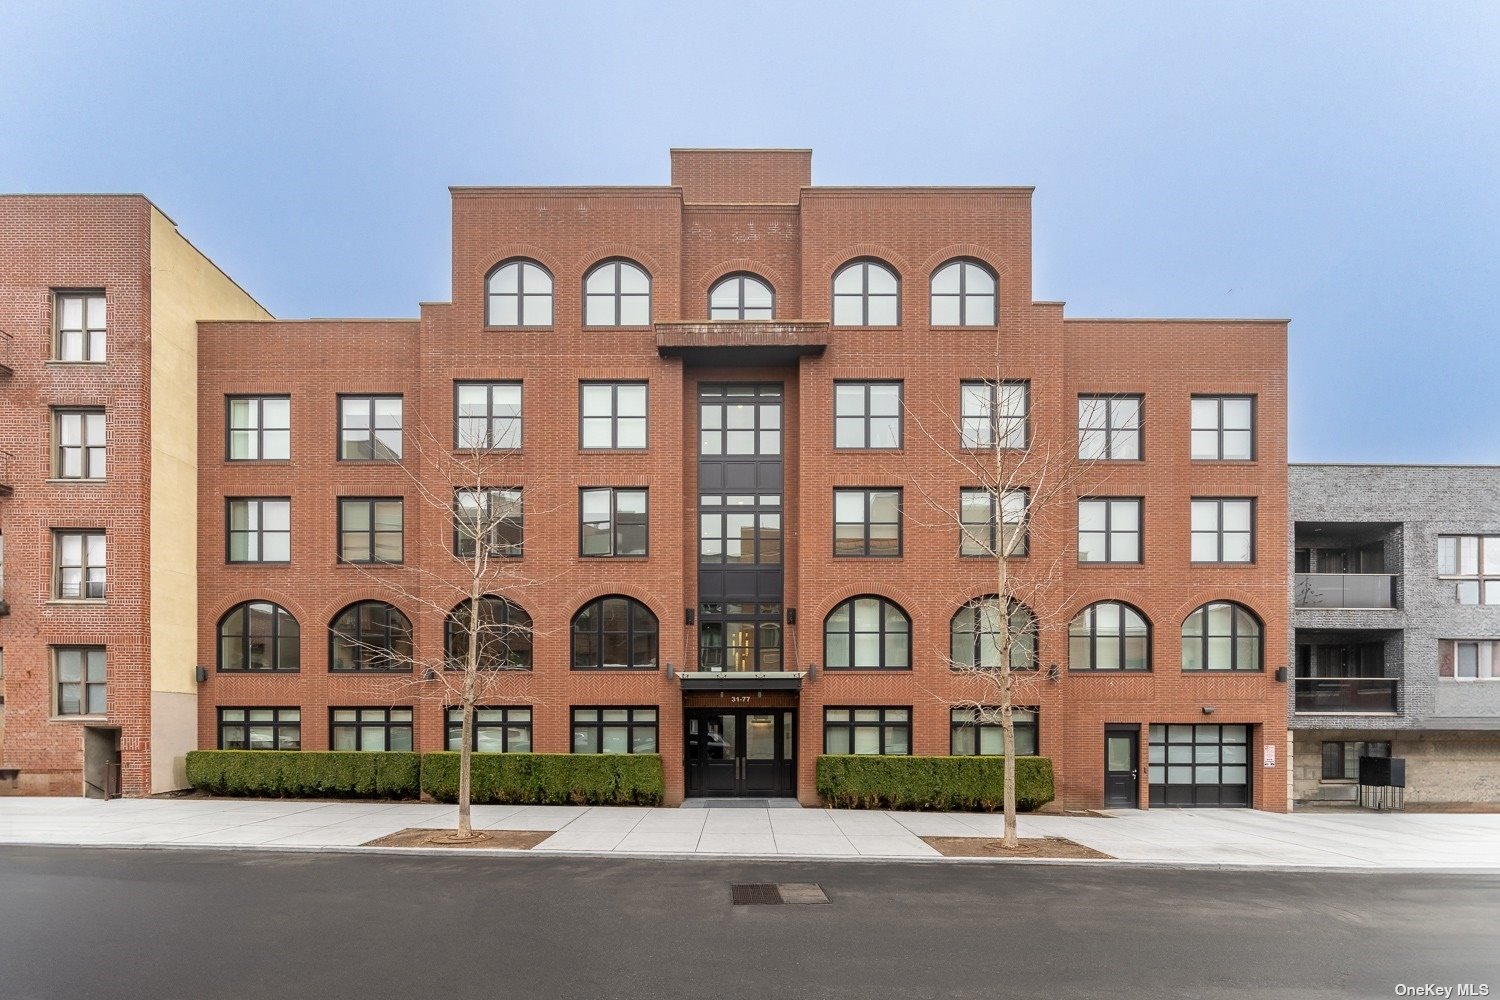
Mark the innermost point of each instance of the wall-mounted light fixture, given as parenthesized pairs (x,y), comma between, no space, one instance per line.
(1052,673)
(687,616)
(1208,710)
(201,673)
(791,616)
(429,674)
(671,670)
(1281,675)
(812,671)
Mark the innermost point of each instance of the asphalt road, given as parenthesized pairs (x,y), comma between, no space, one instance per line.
(191,925)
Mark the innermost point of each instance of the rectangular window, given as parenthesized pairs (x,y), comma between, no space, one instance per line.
(496,730)
(991,412)
(78,561)
(80,680)
(1109,428)
(1341,757)
(867,415)
(491,514)
(614,730)
(1223,427)
(1472,562)
(1109,530)
(260,729)
(867,522)
(260,529)
(612,522)
(1475,660)
(78,326)
(260,428)
(976,731)
(612,415)
(1222,531)
(370,529)
(867,731)
(370,428)
(78,449)
(733,534)
(981,529)
(488,415)
(370,729)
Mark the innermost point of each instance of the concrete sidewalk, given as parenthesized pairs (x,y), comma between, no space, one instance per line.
(1228,837)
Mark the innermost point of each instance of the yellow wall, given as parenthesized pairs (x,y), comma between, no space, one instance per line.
(185,287)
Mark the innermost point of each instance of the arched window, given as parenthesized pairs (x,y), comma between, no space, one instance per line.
(741,296)
(963,294)
(866,293)
(867,633)
(518,293)
(617,293)
(1109,636)
(614,633)
(504,635)
(980,631)
(259,635)
(370,635)
(1221,635)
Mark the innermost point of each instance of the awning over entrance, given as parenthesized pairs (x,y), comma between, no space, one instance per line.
(742,680)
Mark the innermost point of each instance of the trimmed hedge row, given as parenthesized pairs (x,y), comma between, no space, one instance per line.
(962,784)
(306,773)
(540,778)
(549,778)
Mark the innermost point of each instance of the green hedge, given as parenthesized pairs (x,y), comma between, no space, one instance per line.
(305,773)
(970,784)
(615,779)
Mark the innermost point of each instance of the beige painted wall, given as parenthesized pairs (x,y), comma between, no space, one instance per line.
(185,287)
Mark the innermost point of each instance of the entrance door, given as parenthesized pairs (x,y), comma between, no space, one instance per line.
(740,753)
(1122,761)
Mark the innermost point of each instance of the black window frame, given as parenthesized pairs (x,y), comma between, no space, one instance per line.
(1219,429)
(361,649)
(1110,532)
(462,544)
(520,295)
(995,527)
(86,297)
(1219,531)
(517,620)
(387,725)
(87,449)
(90,588)
(277,724)
(993,417)
(370,533)
(1342,774)
(852,725)
(370,429)
(883,605)
(642,520)
(864,294)
(1091,631)
(867,495)
(739,278)
(259,427)
(599,724)
(963,294)
(259,531)
(598,635)
(973,609)
(864,417)
(453,727)
(617,296)
(279,616)
(1110,430)
(488,443)
(614,417)
(1234,640)
(976,723)
(85,686)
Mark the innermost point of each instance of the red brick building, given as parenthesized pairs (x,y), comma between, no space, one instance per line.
(727,412)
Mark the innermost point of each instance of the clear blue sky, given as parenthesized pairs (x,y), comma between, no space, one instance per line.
(1334,163)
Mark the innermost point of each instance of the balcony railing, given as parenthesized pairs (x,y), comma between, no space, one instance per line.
(1351,695)
(1345,590)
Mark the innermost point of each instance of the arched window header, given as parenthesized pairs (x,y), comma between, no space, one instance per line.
(617,293)
(741,296)
(867,633)
(964,293)
(866,293)
(518,293)
(615,633)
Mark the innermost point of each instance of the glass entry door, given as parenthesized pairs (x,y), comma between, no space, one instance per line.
(740,752)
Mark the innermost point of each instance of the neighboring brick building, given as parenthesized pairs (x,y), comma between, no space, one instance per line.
(1396,628)
(729,406)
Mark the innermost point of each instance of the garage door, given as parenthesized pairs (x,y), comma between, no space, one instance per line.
(1200,765)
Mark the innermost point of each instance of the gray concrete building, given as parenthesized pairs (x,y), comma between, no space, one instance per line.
(1396,629)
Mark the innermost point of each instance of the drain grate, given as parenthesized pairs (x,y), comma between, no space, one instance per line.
(772,893)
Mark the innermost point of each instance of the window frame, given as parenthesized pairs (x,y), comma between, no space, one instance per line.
(1234,637)
(1109,430)
(864,295)
(1343,777)
(599,724)
(883,604)
(87,297)
(451,630)
(371,428)
(976,723)
(489,418)
(387,726)
(615,523)
(865,417)
(867,493)
(84,685)
(1484,581)
(277,724)
(740,278)
(997,526)
(992,418)
(259,427)
(1110,532)
(258,532)
(86,448)
(974,608)
(453,721)
(245,639)
(519,295)
(488,519)
(852,725)
(963,295)
(1219,429)
(370,533)
(85,567)
(362,650)
(617,296)
(599,632)
(614,416)
(1090,615)
(1480,666)
(1219,531)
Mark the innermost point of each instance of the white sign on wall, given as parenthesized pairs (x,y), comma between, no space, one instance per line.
(1270,755)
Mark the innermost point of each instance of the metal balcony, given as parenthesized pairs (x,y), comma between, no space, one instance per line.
(751,342)
(1345,695)
(1345,590)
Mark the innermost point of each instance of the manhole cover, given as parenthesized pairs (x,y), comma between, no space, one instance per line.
(771,893)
